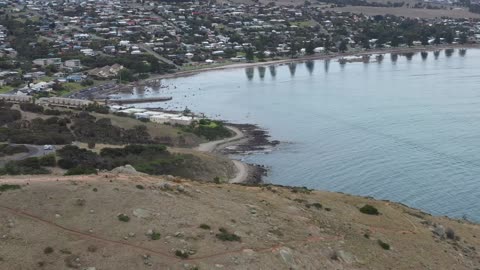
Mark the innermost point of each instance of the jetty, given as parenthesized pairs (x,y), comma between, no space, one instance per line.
(137,100)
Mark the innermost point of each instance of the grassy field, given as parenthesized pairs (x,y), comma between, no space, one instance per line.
(5,89)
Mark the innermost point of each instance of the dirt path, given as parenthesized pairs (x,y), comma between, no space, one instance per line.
(214,146)
(166,254)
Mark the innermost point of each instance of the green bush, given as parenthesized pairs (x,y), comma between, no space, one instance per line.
(31,107)
(26,166)
(316,205)
(6,187)
(181,254)
(123,218)
(8,116)
(87,82)
(52,112)
(155,236)
(95,107)
(40,131)
(80,170)
(224,235)
(204,226)
(66,164)
(6,149)
(450,234)
(383,244)
(86,128)
(369,210)
(209,129)
(48,160)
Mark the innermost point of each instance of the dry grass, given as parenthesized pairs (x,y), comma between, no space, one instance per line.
(277,232)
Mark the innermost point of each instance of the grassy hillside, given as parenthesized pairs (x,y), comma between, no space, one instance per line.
(137,222)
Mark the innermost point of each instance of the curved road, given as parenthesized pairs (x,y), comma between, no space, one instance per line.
(213,146)
(33,151)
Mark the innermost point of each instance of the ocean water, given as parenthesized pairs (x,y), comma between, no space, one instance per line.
(406,128)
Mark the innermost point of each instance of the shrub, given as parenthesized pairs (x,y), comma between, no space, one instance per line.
(66,164)
(6,187)
(86,128)
(30,107)
(48,250)
(181,254)
(334,255)
(52,112)
(95,107)
(91,144)
(26,166)
(224,235)
(75,156)
(8,116)
(12,149)
(369,210)
(155,236)
(450,233)
(204,226)
(123,218)
(316,205)
(79,170)
(383,244)
(87,82)
(304,190)
(140,187)
(211,130)
(91,248)
(48,160)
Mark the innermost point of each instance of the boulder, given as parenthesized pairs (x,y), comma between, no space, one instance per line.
(127,169)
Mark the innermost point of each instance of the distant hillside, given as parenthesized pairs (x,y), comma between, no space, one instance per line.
(138,222)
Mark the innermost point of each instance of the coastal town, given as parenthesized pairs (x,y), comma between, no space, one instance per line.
(51,48)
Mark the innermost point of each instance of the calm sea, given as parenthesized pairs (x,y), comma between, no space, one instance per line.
(406,128)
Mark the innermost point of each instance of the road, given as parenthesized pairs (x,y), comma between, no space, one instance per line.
(241,168)
(34,151)
(156,55)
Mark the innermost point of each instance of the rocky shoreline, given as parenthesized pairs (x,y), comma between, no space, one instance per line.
(255,140)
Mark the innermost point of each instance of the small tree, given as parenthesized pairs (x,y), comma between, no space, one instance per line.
(463,38)
(249,55)
(424,40)
(310,49)
(343,46)
(449,37)
(91,144)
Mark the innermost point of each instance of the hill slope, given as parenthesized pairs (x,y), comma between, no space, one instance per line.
(74,223)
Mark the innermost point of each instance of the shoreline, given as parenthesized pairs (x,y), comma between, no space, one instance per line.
(319,56)
(155,79)
(247,138)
